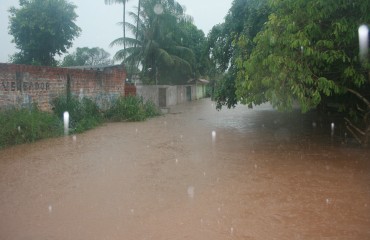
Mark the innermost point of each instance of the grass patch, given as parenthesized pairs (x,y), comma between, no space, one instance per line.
(27,125)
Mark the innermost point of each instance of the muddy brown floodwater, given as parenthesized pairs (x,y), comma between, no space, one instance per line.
(192,174)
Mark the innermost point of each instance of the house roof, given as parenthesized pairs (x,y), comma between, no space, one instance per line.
(198,81)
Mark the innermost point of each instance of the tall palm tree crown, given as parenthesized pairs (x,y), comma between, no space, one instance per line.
(123,14)
(156,46)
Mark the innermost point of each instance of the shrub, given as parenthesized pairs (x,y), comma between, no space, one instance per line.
(83,115)
(131,108)
(27,125)
(151,109)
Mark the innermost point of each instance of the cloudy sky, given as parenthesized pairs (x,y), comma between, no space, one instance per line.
(99,21)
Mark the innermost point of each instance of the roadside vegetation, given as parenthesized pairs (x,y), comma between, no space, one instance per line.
(295,52)
(84,114)
(29,125)
(131,108)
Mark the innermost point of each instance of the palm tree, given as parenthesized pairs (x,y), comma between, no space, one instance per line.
(123,15)
(154,47)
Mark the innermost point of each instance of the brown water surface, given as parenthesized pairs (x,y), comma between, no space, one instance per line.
(193,174)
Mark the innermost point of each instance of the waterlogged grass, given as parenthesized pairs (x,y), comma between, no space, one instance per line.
(28,125)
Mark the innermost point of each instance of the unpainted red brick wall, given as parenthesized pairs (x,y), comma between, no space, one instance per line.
(23,85)
(130,90)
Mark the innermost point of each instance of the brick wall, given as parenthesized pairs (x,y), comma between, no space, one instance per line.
(22,85)
(130,90)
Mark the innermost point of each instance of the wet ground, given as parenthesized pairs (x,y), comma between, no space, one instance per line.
(193,174)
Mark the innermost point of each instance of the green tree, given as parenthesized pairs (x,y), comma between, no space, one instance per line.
(244,19)
(42,29)
(193,38)
(307,53)
(155,48)
(87,57)
(307,50)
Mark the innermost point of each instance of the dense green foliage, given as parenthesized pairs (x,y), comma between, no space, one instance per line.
(87,57)
(83,114)
(164,45)
(224,91)
(27,125)
(295,51)
(42,29)
(131,108)
(287,51)
(245,19)
(307,52)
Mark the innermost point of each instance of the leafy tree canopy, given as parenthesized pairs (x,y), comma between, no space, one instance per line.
(245,18)
(42,29)
(306,53)
(87,57)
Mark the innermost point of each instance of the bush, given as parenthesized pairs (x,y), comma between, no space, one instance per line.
(131,108)
(151,109)
(27,125)
(83,115)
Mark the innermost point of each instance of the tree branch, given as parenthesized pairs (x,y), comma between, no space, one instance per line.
(350,127)
(357,94)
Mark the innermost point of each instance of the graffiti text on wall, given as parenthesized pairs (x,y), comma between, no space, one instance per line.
(24,86)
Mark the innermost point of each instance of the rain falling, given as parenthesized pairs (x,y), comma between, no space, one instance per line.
(109,184)
(255,125)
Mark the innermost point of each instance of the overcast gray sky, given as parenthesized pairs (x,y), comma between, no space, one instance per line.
(99,21)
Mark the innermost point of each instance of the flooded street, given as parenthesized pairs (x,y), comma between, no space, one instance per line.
(192,174)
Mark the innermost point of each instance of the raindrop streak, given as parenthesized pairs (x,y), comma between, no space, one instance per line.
(363,35)
(332,126)
(66,122)
(50,208)
(213,136)
(191,192)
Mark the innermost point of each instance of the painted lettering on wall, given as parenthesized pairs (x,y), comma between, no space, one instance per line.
(24,86)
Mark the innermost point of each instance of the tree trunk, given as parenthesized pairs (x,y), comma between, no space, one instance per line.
(137,22)
(124,28)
